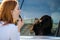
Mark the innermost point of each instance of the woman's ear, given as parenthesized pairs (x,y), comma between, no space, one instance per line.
(11,11)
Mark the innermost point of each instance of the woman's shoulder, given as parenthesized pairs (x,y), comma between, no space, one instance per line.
(12,25)
(3,24)
(8,26)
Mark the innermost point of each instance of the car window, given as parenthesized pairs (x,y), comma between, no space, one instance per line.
(32,9)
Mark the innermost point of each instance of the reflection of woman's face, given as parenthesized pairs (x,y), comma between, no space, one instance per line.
(40,20)
(36,21)
(16,12)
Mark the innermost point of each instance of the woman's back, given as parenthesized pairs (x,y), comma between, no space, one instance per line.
(9,32)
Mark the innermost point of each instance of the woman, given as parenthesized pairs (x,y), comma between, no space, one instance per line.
(16,15)
(8,31)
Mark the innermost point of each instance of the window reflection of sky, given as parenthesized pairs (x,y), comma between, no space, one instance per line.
(37,8)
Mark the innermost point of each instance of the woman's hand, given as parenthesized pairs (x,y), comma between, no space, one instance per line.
(20,24)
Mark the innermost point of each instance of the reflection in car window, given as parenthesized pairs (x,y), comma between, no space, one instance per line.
(32,9)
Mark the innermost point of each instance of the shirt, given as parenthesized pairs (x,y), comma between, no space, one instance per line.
(9,32)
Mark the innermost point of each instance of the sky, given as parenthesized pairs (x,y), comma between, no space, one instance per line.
(38,8)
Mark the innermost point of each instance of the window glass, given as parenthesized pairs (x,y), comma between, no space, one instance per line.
(32,9)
